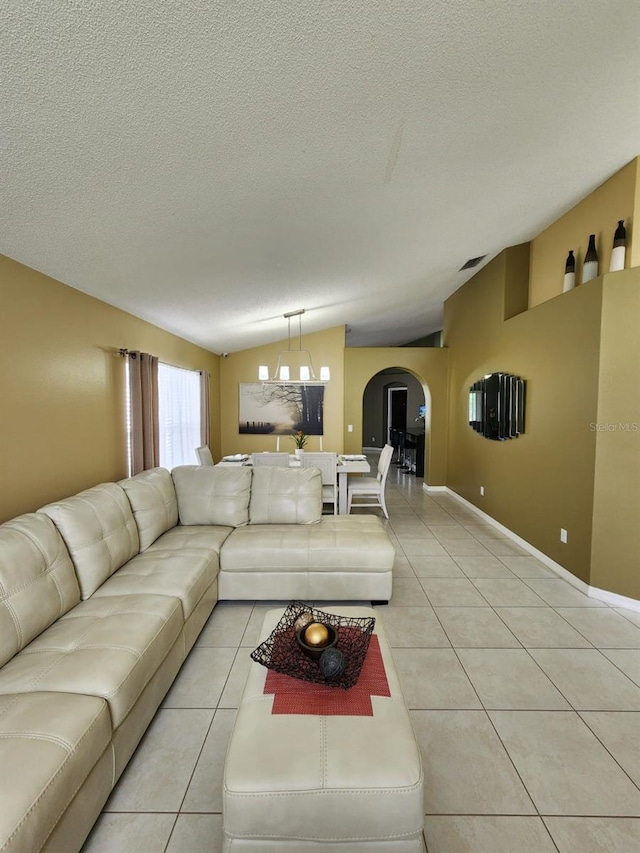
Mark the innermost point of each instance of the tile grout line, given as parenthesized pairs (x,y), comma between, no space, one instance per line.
(604,746)
(484,710)
(213,717)
(173,829)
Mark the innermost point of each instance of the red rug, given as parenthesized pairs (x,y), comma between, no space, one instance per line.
(293,696)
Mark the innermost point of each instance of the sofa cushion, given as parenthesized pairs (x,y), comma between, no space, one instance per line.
(153,500)
(49,743)
(185,574)
(99,531)
(107,647)
(209,536)
(38,583)
(339,542)
(286,496)
(211,495)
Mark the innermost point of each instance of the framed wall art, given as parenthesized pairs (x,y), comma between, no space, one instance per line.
(280,408)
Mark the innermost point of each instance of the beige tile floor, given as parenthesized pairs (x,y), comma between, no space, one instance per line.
(524,696)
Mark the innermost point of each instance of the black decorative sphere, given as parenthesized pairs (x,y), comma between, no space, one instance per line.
(332,663)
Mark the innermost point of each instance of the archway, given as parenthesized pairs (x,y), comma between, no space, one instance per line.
(396,410)
(429,366)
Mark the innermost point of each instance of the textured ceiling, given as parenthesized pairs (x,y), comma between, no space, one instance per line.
(209,166)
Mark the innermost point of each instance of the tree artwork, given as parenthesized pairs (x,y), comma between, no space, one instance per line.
(279,409)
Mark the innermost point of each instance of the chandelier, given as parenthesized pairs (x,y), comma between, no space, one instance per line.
(294,362)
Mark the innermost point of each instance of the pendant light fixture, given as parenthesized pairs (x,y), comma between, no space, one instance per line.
(294,366)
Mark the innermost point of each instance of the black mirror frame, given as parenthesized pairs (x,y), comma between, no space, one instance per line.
(496,406)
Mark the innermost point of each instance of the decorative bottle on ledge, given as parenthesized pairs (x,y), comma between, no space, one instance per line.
(619,248)
(590,266)
(569,272)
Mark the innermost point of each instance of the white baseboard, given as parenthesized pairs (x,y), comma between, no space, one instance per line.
(611,598)
(614,599)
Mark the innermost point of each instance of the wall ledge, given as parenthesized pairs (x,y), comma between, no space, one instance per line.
(611,598)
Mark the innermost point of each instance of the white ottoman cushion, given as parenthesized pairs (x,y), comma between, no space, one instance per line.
(302,782)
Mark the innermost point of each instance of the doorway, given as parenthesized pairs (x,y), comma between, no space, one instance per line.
(420,417)
(396,411)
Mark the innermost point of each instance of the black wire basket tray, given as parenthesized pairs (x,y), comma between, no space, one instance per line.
(281,652)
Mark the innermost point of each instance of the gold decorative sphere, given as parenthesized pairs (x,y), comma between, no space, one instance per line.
(316,634)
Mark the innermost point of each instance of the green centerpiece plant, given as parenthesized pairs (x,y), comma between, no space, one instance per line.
(300,438)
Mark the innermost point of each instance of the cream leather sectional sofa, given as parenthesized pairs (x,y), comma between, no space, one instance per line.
(102,596)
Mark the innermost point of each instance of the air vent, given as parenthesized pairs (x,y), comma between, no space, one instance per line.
(472,262)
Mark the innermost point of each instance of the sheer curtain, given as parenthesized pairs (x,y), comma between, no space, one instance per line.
(179,421)
(205,411)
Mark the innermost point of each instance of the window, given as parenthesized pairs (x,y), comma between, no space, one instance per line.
(178,415)
(167,411)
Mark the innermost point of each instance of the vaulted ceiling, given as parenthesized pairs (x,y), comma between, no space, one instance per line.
(209,166)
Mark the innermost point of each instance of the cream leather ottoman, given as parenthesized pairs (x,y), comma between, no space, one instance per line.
(310,782)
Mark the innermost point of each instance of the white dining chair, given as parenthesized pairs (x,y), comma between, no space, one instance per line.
(204,455)
(328,465)
(281,459)
(371,487)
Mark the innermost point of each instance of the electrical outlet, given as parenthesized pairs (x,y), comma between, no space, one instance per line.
(482,491)
(563,535)
(349,427)
(373,438)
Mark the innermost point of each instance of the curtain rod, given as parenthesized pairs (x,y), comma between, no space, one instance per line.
(123,352)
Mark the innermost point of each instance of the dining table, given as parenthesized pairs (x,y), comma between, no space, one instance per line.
(351,463)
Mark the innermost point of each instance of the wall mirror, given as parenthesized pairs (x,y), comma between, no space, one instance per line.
(496,406)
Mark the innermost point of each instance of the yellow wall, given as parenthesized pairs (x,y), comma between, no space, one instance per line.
(62,388)
(597,214)
(429,366)
(326,348)
(634,250)
(543,480)
(616,507)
